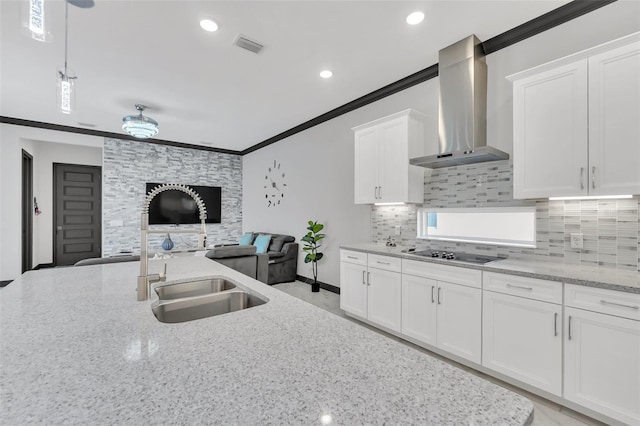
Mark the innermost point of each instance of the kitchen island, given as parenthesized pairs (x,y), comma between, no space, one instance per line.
(78,348)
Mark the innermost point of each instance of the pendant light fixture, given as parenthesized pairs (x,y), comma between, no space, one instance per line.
(66,83)
(36,15)
(139,126)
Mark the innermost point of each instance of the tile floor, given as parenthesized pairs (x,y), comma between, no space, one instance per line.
(546,413)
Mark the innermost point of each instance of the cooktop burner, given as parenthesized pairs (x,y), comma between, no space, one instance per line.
(461,257)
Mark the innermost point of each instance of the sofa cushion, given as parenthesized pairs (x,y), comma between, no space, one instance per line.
(277,241)
(231,251)
(262,243)
(246,239)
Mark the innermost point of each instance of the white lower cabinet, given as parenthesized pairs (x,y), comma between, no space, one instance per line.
(459,327)
(372,293)
(419,308)
(440,313)
(353,288)
(522,338)
(602,364)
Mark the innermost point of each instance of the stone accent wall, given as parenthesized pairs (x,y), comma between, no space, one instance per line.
(611,228)
(129,165)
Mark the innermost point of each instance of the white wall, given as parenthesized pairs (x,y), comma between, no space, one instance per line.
(46,147)
(319,165)
(325,152)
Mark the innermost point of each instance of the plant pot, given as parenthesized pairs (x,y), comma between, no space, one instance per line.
(315,287)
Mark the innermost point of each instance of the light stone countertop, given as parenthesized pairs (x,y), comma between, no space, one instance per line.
(78,348)
(591,276)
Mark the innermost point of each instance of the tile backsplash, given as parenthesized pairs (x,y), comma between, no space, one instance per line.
(611,228)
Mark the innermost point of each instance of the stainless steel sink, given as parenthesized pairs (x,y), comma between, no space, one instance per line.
(194,288)
(199,307)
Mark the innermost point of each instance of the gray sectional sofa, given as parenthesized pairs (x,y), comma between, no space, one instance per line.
(278,265)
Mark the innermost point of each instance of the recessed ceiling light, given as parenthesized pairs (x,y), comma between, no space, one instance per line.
(415,18)
(326,74)
(209,25)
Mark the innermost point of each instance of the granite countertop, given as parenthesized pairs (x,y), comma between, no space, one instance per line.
(592,276)
(78,348)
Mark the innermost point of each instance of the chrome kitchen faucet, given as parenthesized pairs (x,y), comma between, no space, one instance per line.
(144,279)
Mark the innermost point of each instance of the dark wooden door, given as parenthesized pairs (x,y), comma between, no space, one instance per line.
(77,213)
(27,211)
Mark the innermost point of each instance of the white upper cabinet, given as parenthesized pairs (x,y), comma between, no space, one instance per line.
(576,127)
(382,151)
(614,121)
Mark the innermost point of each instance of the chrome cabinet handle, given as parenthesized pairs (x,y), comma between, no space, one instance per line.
(581,177)
(593,177)
(352,257)
(569,327)
(439,303)
(432,299)
(555,324)
(375,192)
(368,278)
(383,263)
(380,192)
(635,308)
(520,287)
(363,274)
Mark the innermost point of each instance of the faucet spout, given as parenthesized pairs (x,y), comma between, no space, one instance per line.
(144,279)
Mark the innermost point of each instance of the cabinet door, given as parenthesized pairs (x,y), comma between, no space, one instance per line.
(614,124)
(366,165)
(550,133)
(522,338)
(459,320)
(353,289)
(419,308)
(602,364)
(384,298)
(394,161)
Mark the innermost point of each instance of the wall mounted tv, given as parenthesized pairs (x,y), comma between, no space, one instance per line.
(175,207)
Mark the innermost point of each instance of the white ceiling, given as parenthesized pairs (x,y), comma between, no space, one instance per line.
(205,91)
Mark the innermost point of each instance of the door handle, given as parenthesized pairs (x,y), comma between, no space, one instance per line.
(380,192)
(368,278)
(59,228)
(581,177)
(363,274)
(439,303)
(593,177)
(432,299)
(555,324)
(569,327)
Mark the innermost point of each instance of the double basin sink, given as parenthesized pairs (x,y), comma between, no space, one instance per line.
(196,299)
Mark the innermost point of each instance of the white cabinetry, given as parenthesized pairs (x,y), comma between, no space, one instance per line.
(382,151)
(576,126)
(442,313)
(370,288)
(522,329)
(602,351)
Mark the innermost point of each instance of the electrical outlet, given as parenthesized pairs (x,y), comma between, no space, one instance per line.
(577,241)
(398,230)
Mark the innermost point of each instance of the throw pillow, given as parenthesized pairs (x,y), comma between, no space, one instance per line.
(246,239)
(261,243)
(276,243)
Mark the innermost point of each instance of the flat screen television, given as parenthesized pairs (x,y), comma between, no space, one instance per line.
(175,207)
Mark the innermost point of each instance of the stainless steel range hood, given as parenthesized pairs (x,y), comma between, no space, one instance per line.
(462,122)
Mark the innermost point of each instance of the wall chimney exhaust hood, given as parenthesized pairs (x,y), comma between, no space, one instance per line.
(462,124)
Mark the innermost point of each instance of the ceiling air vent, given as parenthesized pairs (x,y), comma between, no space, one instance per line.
(245,43)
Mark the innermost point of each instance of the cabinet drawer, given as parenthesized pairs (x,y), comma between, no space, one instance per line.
(531,288)
(451,274)
(357,257)
(619,303)
(384,262)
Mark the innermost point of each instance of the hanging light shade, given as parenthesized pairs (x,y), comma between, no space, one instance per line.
(36,17)
(65,89)
(139,126)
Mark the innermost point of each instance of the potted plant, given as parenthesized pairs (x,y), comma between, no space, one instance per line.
(311,245)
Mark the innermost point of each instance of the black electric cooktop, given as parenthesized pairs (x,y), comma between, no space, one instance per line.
(460,257)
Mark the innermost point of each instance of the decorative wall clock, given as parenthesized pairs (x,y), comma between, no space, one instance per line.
(274,185)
